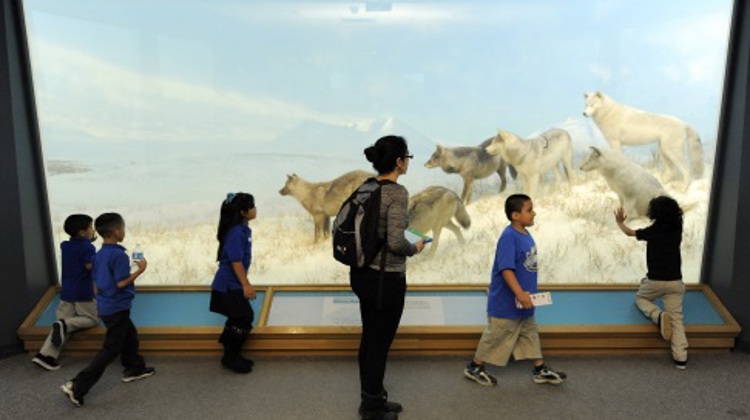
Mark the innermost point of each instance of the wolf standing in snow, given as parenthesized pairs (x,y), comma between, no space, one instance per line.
(323,199)
(623,125)
(432,210)
(634,186)
(534,157)
(471,163)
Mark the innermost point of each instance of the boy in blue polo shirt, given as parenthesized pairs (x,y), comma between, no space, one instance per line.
(511,327)
(77,308)
(111,272)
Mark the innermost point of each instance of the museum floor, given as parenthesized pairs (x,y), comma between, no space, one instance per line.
(715,386)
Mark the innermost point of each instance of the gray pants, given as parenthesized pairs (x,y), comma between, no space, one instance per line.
(672,294)
(77,316)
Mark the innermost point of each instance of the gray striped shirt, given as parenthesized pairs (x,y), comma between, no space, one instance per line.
(394,203)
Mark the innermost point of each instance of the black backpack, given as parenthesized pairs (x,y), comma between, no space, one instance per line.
(355,229)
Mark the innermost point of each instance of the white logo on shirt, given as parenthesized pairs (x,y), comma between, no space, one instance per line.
(531,262)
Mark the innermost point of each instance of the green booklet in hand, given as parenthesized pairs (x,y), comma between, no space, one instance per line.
(413,236)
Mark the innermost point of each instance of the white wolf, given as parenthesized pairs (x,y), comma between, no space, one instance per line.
(432,209)
(634,186)
(623,125)
(471,163)
(323,199)
(534,157)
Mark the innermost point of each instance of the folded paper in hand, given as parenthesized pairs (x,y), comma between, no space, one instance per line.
(539,299)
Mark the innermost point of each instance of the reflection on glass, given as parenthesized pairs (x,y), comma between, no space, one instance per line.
(158,117)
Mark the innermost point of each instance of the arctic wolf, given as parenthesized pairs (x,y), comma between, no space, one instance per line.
(432,209)
(634,186)
(323,199)
(623,125)
(534,157)
(471,163)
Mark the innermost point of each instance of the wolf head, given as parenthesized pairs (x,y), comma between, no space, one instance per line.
(291,182)
(500,142)
(594,101)
(436,158)
(594,160)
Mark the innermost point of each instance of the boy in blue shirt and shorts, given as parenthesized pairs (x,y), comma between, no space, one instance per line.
(111,272)
(77,308)
(511,327)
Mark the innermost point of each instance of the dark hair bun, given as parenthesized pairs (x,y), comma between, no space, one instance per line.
(372,154)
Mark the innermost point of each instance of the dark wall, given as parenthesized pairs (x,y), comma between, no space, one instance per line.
(27,263)
(726,261)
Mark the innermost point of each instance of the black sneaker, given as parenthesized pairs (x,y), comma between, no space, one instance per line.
(45,362)
(58,333)
(479,375)
(546,375)
(69,390)
(130,375)
(680,365)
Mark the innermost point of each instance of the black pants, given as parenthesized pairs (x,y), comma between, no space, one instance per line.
(379,322)
(122,340)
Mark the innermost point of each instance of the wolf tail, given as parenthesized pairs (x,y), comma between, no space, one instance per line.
(461,215)
(695,149)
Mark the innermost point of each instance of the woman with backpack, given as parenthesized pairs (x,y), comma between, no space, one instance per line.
(381,295)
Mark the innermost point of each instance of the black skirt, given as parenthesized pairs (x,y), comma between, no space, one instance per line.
(231,303)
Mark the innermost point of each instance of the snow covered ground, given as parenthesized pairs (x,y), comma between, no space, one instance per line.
(577,238)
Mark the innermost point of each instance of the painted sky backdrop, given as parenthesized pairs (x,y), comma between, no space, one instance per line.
(210,73)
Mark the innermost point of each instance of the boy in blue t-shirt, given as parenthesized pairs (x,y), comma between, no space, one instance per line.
(77,308)
(511,327)
(111,272)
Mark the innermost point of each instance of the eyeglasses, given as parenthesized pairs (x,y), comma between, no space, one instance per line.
(407,156)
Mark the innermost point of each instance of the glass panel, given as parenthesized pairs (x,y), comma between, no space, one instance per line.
(157,110)
(342,308)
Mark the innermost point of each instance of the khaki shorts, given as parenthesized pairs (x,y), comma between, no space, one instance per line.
(505,336)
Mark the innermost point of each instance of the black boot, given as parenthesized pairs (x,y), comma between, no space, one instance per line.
(388,406)
(375,407)
(231,358)
(241,338)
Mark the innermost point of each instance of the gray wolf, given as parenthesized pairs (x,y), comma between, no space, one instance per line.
(323,199)
(623,125)
(433,209)
(471,163)
(534,157)
(634,186)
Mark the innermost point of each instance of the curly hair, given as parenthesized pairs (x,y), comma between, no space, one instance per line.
(665,211)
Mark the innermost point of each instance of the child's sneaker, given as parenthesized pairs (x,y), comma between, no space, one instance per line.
(680,365)
(58,333)
(479,375)
(546,375)
(130,375)
(69,390)
(665,325)
(45,362)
